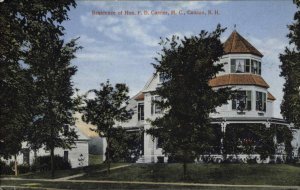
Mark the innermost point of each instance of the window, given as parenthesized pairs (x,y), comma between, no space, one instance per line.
(240,65)
(26,155)
(260,101)
(158,143)
(141,111)
(66,130)
(232,66)
(255,67)
(242,101)
(155,109)
(245,66)
(66,155)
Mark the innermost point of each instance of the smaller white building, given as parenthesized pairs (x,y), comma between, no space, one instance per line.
(78,156)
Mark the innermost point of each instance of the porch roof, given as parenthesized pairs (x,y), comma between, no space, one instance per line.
(250,120)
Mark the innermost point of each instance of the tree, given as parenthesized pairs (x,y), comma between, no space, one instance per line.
(105,110)
(20,23)
(187,66)
(51,70)
(290,71)
(126,146)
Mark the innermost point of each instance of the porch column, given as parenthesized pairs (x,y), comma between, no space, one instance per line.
(223,130)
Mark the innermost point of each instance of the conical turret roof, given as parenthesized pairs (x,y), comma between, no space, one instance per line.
(237,44)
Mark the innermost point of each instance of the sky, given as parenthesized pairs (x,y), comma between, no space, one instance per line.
(121,48)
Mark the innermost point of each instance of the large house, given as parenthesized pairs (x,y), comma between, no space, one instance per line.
(242,71)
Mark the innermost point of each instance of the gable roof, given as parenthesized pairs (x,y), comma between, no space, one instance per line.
(237,44)
(238,79)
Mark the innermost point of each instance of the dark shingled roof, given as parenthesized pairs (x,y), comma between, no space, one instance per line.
(237,44)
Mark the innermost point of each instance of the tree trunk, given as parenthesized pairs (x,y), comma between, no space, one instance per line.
(108,156)
(184,169)
(35,154)
(52,161)
(16,165)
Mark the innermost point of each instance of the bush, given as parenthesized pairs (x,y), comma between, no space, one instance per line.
(252,160)
(292,160)
(279,160)
(160,159)
(23,168)
(43,163)
(232,160)
(5,169)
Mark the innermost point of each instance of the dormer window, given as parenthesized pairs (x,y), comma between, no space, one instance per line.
(245,66)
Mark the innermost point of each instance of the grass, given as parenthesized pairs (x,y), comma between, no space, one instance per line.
(95,159)
(105,186)
(258,174)
(239,174)
(65,173)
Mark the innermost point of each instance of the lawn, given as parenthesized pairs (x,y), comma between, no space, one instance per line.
(258,174)
(22,185)
(239,174)
(65,173)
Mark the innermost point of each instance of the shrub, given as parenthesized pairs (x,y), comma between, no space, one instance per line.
(232,160)
(5,169)
(252,160)
(43,163)
(160,159)
(23,168)
(279,160)
(292,160)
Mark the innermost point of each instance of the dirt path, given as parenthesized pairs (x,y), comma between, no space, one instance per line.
(82,174)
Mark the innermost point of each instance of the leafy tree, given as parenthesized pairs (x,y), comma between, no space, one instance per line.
(249,139)
(256,139)
(187,65)
(20,23)
(104,110)
(51,70)
(290,70)
(126,146)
